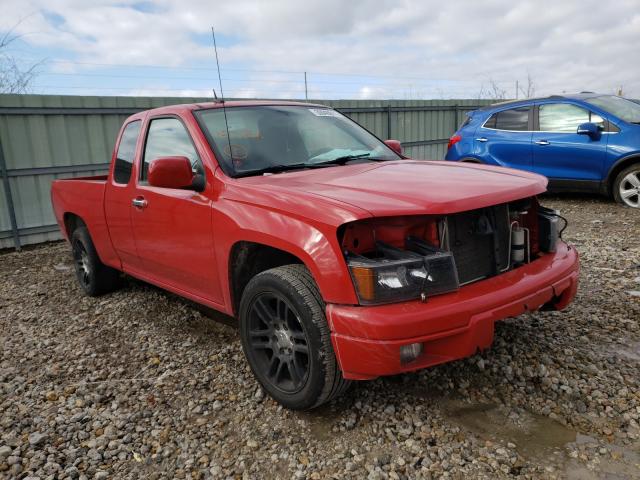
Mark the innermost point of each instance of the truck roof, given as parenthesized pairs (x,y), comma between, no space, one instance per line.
(185,107)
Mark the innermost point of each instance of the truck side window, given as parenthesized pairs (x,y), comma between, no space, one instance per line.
(168,137)
(126,153)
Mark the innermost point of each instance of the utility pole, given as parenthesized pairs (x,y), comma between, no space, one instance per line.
(516,89)
(306,93)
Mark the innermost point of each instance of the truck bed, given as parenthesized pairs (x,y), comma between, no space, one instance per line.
(84,197)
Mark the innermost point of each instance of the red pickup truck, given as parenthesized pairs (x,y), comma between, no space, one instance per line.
(341,259)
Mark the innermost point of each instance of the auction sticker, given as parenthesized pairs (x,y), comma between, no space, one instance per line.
(324,112)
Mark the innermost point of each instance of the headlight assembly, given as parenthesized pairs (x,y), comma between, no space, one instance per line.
(395,275)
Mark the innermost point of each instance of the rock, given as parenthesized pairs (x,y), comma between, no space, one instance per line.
(390,410)
(5,451)
(259,395)
(36,439)
(52,396)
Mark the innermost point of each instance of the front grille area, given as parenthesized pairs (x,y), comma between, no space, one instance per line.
(479,241)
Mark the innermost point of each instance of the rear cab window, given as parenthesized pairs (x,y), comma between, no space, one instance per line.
(126,153)
(512,120)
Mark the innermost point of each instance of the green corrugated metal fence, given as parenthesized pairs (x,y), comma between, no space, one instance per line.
(43,137)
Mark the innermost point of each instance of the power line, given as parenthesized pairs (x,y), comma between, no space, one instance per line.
(249,70)
(259,80)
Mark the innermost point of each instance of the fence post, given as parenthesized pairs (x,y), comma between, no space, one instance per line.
(9,197)
(455,119)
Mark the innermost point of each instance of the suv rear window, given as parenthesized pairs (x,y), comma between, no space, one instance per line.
(515,119)
(466,121)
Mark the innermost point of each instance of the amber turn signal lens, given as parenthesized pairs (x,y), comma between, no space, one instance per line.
(364,278)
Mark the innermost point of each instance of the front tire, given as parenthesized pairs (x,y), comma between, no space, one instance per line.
(286,339)
(94,277)
(626,187)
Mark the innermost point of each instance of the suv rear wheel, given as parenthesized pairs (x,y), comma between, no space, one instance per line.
(626,187)
(286,339)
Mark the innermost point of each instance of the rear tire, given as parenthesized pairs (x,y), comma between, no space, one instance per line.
(94,277)
(626,186)
(286,339)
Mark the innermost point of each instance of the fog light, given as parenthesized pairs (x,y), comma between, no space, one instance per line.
(408,353)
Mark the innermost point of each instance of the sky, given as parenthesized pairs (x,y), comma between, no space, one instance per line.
(357,49)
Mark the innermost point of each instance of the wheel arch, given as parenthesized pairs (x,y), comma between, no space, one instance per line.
(71,222)
(617,167)
(249,258)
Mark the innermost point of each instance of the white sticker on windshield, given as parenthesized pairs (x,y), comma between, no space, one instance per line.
(324,112)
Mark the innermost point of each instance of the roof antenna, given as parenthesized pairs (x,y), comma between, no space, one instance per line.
(224,110)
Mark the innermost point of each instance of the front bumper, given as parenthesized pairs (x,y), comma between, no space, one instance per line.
(367,340)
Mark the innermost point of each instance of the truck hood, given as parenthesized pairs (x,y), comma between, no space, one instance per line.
(403,187)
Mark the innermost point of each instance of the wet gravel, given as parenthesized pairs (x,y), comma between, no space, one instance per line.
(141,384)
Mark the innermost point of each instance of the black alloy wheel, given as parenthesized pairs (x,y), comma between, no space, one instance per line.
(286,339)
(277,337)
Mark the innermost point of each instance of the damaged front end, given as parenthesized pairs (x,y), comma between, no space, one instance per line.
(396,259)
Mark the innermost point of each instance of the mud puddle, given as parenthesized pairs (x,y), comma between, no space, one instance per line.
(630,351)
(546,441)
(535,436)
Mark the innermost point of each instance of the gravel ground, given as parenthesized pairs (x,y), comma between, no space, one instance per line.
(141,384)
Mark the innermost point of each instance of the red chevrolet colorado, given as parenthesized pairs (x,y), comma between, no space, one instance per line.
(340,258)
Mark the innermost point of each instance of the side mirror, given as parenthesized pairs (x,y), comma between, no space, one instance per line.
(170,172)
(394,145)
(590,129)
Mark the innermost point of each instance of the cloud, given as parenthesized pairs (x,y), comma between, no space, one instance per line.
(438,49)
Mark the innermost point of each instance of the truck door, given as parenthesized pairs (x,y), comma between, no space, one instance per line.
(173,227)
(118,193)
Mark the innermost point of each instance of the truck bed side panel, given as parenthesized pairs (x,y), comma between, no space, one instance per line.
(84,197)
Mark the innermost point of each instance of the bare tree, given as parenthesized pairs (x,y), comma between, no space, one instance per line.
(529,90)
(13,77)
(493,91)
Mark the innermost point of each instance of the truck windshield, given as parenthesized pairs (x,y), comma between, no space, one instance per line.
(620,107)
(277,138)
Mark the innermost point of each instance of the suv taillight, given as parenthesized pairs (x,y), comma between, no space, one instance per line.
(453,140)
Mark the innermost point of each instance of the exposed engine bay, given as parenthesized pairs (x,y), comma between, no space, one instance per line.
(402,258)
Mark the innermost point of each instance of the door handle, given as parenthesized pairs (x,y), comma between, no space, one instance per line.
(139,202)
(543,142)
(481,139)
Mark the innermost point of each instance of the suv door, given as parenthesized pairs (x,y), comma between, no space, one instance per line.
(505,138)
(559,152)
(172,227)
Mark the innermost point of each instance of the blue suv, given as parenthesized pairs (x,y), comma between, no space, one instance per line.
(583,142)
